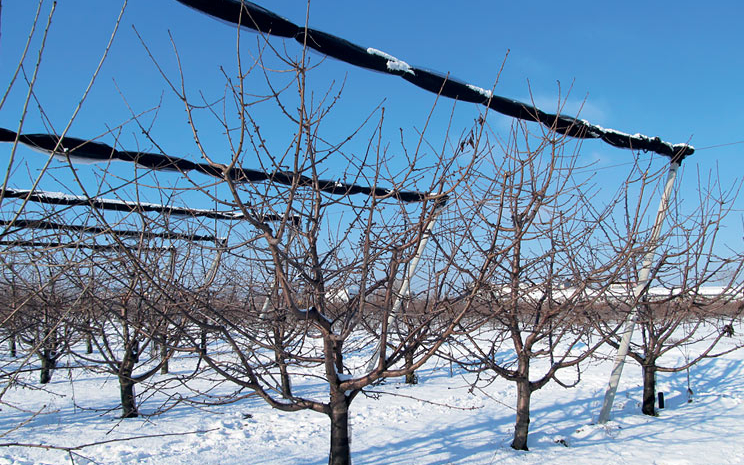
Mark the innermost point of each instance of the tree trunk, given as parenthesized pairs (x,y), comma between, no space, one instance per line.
(338,352)
(126,383)
(164,355)
(649,388)
(128,398)
(286,382)
(12,345)
(48,363)
(203,342)
(340,441)
(286,386)
(88,337)
(411,377)
(522,426)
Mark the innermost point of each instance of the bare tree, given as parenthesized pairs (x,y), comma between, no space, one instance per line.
(131,317)
(694,296)
(301,330)
(39,302)
(544,231)
(522,256)
(325,217)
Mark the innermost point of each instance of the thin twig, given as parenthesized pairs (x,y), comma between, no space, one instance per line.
(369,391)
(98,443)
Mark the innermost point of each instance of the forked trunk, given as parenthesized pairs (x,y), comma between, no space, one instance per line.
(522,426)
(649,388)
(340,440)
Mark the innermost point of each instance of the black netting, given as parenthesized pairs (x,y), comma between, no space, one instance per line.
(341,49)
(55,198)
(251,15)
(20,224)
(97,151)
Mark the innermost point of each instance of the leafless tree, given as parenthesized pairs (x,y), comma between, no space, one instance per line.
(522,251)
(694,297)
(543,228)
(305,240)
(132,316)
(295,269)
(38,306)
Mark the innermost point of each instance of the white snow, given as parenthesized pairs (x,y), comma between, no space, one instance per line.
(597,129)
(439,421)
(678,147)
(393,64)
(480,90)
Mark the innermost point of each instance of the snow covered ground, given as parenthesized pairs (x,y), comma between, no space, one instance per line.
(439,421)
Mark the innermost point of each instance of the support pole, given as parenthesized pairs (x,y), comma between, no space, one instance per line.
(405,287)
(208,280)
(640,287)
(212,272)
(267,301)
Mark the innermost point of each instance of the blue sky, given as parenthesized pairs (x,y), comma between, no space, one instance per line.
(669,68)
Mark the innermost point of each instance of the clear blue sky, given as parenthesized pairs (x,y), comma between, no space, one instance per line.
(672,69)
